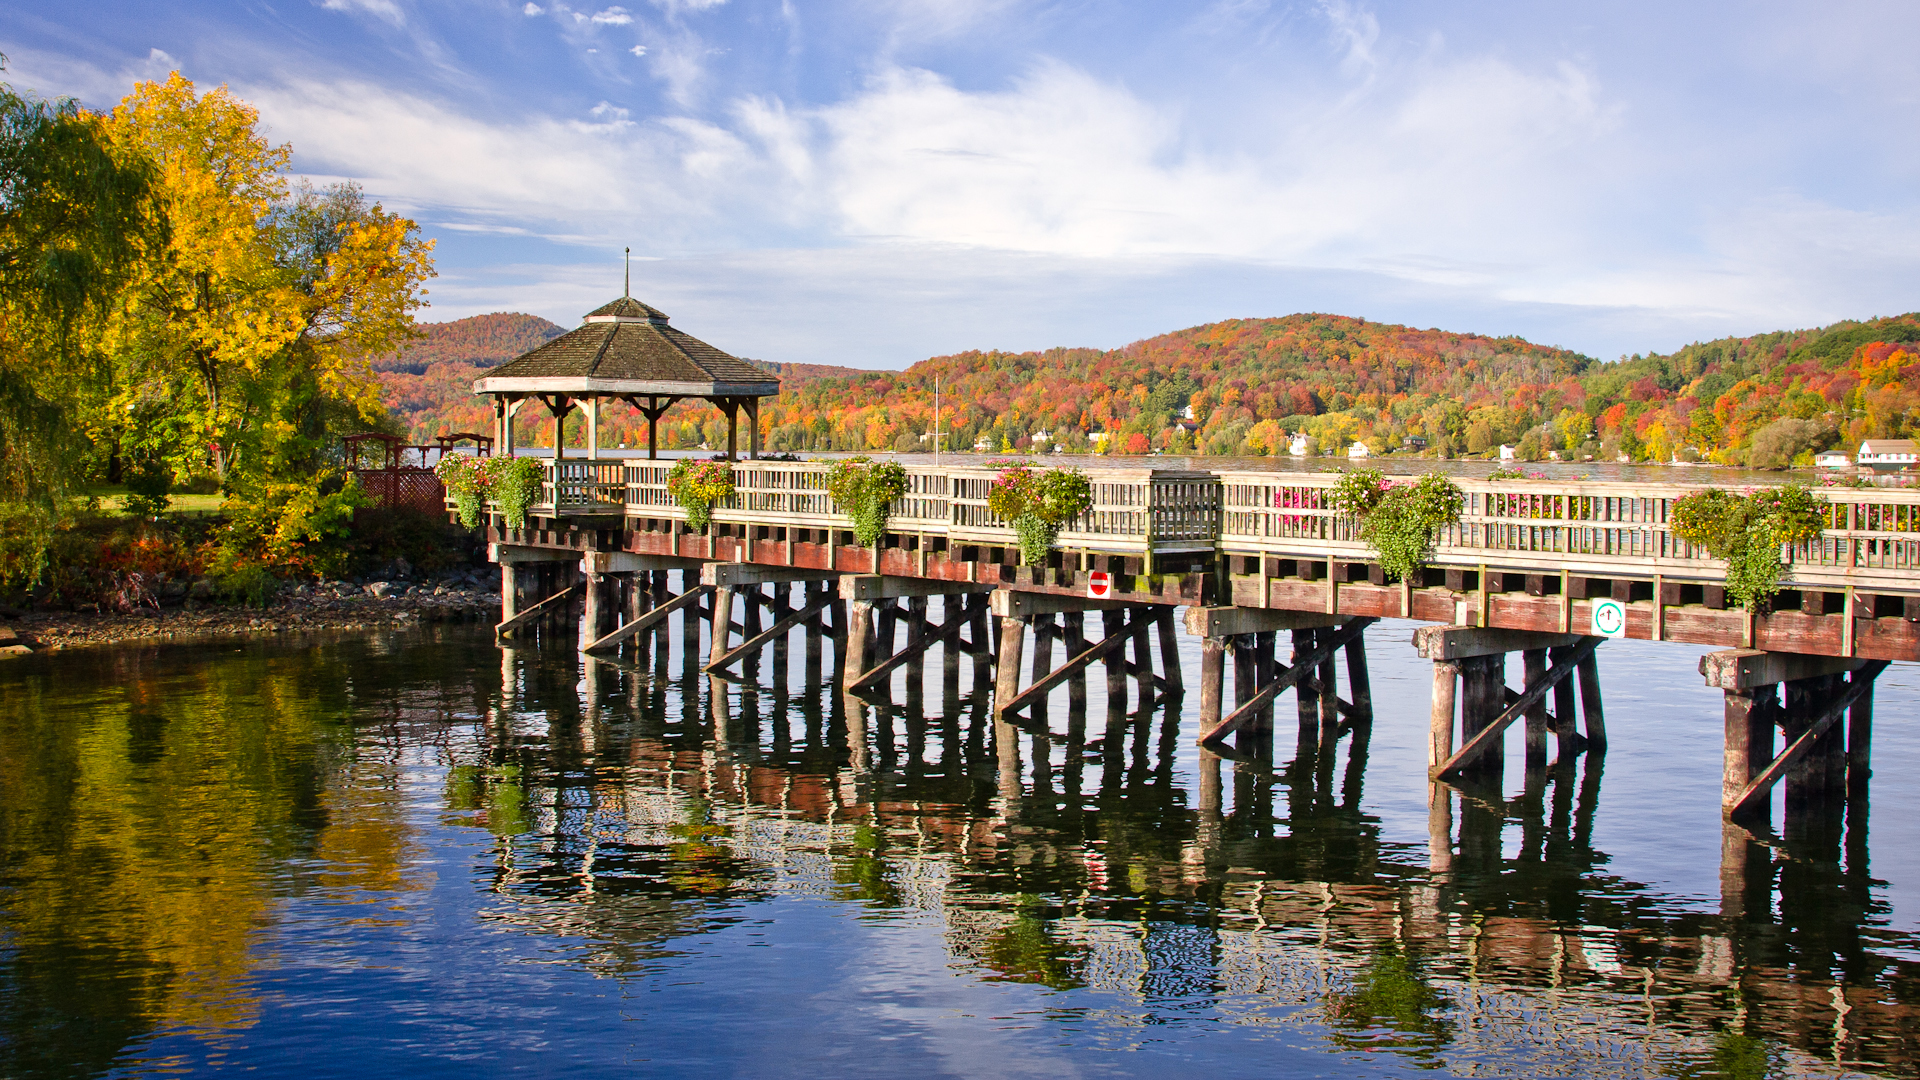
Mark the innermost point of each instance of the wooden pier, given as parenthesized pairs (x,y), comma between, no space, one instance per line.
(1250,555)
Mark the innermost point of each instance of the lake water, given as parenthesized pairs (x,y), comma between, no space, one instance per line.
(421,853)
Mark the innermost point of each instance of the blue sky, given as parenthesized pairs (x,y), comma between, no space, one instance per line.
(872,183)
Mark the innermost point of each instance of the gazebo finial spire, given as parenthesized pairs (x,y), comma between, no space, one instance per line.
(626,285)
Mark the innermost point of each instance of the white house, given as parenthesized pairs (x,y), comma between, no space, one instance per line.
(1298,447)
(1358,449)
(1042,437)
(1506,452)
(1098,438)
(1888,455)
(1831,459)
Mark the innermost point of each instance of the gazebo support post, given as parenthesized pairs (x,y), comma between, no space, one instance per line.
(731,406)
(593,428)
(753,429)
(559,406)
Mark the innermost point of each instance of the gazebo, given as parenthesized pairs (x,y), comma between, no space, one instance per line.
(625,350)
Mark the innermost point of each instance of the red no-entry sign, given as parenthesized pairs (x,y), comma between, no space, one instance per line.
(1099,584)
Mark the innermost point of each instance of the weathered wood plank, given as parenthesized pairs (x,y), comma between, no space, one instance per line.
(529,614)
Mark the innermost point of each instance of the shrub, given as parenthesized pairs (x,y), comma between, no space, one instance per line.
(696,485)
(1038,505)
(1400,520)
(512,482)
(292,528)
(865,490)
(465,478)
(1747,531)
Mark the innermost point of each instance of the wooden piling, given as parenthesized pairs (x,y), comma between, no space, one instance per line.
(1013,641)
(780,608)
(1534,662)
(1043,634)
(1169,650)
(1213,670)
(860,641)
(1440,721)
(1142,664)
(916,633)
(1113,622)
(1305,694)
(722,633)
(1860,745)
(1328,683)
(1748,740)
(1590,704)
(1246,680)
(1073,628)
(1359,685)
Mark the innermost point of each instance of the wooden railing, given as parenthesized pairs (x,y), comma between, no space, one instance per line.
(1873,534)
(1134,510)
(1872,537)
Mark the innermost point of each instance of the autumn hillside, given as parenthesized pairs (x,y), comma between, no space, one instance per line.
(1245,386)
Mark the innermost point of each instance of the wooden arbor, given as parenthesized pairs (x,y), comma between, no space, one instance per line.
(626,351)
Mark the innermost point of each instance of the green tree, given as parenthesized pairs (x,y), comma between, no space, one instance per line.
(71,212)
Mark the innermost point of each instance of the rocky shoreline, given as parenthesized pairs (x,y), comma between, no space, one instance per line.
(335,605)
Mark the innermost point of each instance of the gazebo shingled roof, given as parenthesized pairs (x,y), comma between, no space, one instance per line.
(626,350)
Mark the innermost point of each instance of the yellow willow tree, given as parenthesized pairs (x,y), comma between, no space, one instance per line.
(243,341)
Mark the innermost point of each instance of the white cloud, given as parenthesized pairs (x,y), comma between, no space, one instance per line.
(679,7)
(532,9)
(638,50)
(1356,30)
(613,16)
(385,10)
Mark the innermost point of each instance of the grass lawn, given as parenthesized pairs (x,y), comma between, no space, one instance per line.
(114,497)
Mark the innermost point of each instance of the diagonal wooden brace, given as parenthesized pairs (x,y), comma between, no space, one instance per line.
(1058,675)
(1517,707)
(1304,669)
(1859,683)
(651,618)
(948,630)
(758,640)
(542,608)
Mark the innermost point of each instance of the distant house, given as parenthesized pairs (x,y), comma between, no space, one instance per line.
(1888,455)
(1507,453)
(1299,446)
(1413,442)
(1098,438)
(1042,437)
(983,447)
(1831,459)
(1358,449)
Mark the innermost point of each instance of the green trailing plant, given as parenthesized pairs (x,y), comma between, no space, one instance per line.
(695,486)
(1038,505)
(1747,531)
(865,489)
(465,478)
(1401,521)
(512,483)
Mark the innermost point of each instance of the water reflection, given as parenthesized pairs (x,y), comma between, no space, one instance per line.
(166,814)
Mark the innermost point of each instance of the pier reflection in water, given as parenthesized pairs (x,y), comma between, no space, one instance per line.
(423,852)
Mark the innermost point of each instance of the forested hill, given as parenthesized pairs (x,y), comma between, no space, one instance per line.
(1249,384)
(1234,375)
(480,340)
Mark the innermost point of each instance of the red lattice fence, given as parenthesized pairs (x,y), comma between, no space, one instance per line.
(417,488)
